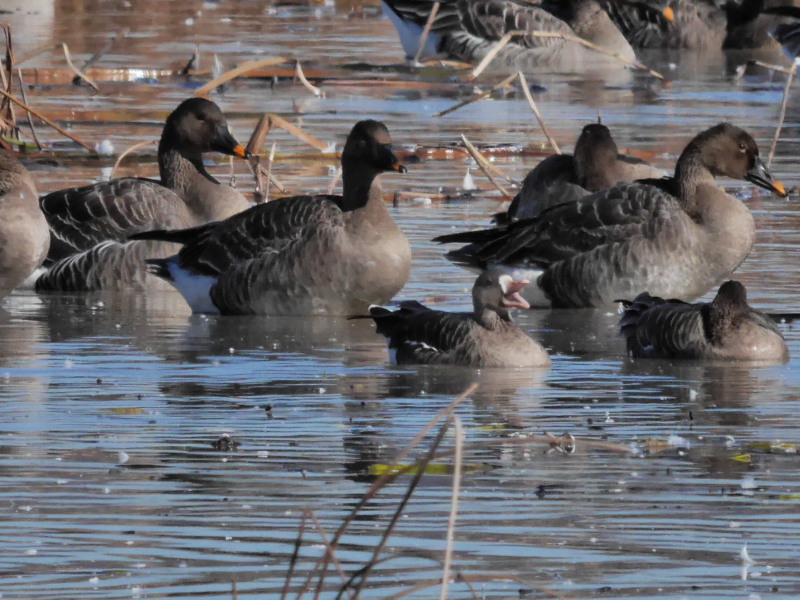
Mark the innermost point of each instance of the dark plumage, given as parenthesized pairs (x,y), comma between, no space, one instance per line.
(467,30)
(485,337)
(299,255)
(724,329)
(595,165)
(676,237)
(82,218)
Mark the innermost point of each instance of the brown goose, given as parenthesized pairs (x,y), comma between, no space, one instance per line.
(24,238)
(595,165)
(299,255)
(468,29)
(676,237)
(724,329)
(485,337)
(91,224)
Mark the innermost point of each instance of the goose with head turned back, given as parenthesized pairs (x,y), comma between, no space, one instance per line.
(724,329)
(90,225)
(595,165)
(676,237)
(486,337)
(24,237)
(299,255)
(468,30)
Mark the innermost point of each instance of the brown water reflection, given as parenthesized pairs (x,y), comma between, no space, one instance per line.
(110,405)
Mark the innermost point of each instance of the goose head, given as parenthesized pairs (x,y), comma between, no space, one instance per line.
(196,126)
(497,291)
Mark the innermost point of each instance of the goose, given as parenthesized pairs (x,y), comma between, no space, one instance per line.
(468,29)
(676,237)
(595,165)
(300,255)
(486,337)
(24,237)
(787,34)
(90,225)
(726,328)
(695,24)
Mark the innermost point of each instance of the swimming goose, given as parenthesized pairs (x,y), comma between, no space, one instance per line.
(724,329)
(486,337)
(24,238)
(91,224)
(468,29)
(676,237)
(595,165)
(299,255)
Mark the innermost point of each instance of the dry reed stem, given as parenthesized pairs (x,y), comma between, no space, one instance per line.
(482,164)
(270,160)
(25,100)
(330,549)
(6,109)
(567,38)
(334,180)
(234,591)
(383,480)
(524,83)
(128,151)
(541,439)
(451,521)
(415,479)
(778,68)
(480,96)
(245,67)
(426,32)
(298,71)
(481,66)
(309,139)
(76,70)
(293,560)
(782,114)
(39,115)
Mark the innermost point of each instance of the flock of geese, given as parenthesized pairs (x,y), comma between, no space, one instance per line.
(592,229)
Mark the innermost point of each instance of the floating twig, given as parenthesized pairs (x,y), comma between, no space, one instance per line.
(423,38)
(525,90)
(75,69)
(481,66)
(298,71)
(245,67)
(782,113)
(480,96)
(39,115)
(483,164)
(269,169)
(128,151)
(766,65)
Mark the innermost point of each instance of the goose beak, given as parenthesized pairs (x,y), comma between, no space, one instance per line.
(668,14)
(398,166)
(759,175)
(511,295)
(225,143)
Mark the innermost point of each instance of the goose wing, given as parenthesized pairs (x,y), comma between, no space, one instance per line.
(657,328)
(265,231)
(83,217)
(567,230)
(419,334)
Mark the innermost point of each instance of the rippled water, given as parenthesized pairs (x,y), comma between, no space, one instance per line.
(113,479)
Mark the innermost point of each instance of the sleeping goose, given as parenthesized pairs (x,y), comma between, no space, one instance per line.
(91,224)
(300,255)
(24,237)
(468,29)
(724,329)
(486,337)
(595,165)
(676,237)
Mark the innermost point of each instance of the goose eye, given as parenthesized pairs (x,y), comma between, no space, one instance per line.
(742,147)
(201,117)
